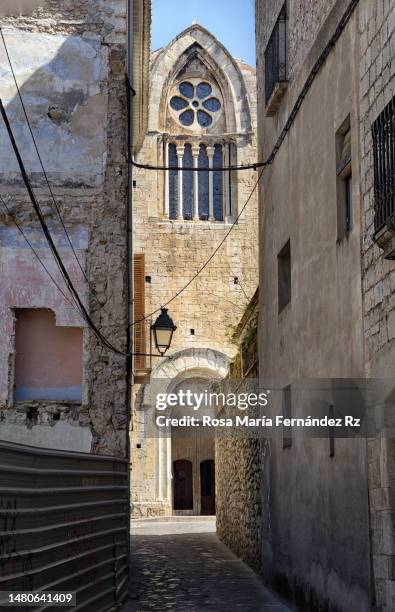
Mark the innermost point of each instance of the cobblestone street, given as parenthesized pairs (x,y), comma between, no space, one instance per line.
(181,565)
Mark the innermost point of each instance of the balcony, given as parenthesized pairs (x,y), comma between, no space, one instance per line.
(383,133)
(276,65)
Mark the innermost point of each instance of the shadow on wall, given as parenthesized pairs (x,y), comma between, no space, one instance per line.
(11,8)
(62,81)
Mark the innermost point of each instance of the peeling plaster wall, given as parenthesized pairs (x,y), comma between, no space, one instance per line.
(61,78)
(26,285)
(69,58)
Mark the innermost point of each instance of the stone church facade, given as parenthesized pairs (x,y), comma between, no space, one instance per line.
(202,113)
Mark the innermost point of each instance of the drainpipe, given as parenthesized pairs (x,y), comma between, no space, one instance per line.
(129,256)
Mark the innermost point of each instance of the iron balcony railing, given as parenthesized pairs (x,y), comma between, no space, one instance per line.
(383,132)
(64,525)
(276,55)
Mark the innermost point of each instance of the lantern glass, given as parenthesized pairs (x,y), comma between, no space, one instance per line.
(163,338)
(163,330)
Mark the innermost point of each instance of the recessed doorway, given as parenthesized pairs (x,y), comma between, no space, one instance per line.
(207,487)
(183,485)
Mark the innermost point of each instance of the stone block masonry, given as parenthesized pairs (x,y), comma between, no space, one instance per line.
(377,88)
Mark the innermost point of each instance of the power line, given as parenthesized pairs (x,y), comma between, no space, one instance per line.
(295,109)
(306,87)
(213,254)
(254,166)
(15,222)
(316,68)
(50,241)
(42,165)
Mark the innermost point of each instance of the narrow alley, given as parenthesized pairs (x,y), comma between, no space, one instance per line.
(197,305)
(180,564)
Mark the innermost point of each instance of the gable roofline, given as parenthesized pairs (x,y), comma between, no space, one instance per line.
(190,29)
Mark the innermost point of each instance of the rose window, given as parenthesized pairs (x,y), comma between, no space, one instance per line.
(196,104)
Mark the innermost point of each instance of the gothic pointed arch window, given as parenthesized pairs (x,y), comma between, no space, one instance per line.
(196,147)
(196,196)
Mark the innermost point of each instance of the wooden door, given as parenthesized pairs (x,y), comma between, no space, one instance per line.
(183,486)
(207,487)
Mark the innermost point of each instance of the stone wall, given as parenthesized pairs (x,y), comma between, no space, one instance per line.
(239,473)
(206,312)
(315,530)
(377,87)
(70,60)
(377,74)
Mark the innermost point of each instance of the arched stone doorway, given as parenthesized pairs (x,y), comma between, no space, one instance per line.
(194,445)
(155,490)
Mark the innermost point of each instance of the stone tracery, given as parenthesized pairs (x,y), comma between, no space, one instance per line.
(196,103)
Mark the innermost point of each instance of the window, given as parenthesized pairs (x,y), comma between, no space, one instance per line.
(284,276)
(287,414)
(196,104)
(331,432)
(383,132)
(276,58)
(196,196)
(344,180)
(48,362)
(139,311)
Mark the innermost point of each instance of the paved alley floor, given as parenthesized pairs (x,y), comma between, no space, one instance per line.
(180,564)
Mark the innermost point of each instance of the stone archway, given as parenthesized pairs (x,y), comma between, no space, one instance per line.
(156,497)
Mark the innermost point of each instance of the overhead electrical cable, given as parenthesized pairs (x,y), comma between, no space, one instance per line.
(50,241)
(213,254)
(295,109)
(314,71)
(15,222)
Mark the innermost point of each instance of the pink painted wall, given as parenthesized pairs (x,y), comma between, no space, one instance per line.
(25,284)
(48,361)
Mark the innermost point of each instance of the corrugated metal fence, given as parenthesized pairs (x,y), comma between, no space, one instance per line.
(64,525)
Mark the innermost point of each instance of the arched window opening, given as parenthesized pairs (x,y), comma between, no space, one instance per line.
(173,182)
(203,183)
(218,184)
(187,183)
(195,103)
(203,196)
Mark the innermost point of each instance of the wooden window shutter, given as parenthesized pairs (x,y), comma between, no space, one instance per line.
(139,311)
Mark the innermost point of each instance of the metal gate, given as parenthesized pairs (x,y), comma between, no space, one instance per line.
(64,525)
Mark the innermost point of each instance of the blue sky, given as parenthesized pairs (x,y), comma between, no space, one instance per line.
(231,21)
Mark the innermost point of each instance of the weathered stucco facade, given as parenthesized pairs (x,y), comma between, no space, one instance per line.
(326,302)
(315,536)
(176,237)
(70,60)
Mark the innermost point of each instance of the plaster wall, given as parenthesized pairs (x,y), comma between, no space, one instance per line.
(70,60)
(315,529)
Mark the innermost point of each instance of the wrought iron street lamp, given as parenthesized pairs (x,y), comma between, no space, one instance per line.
(163,330)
